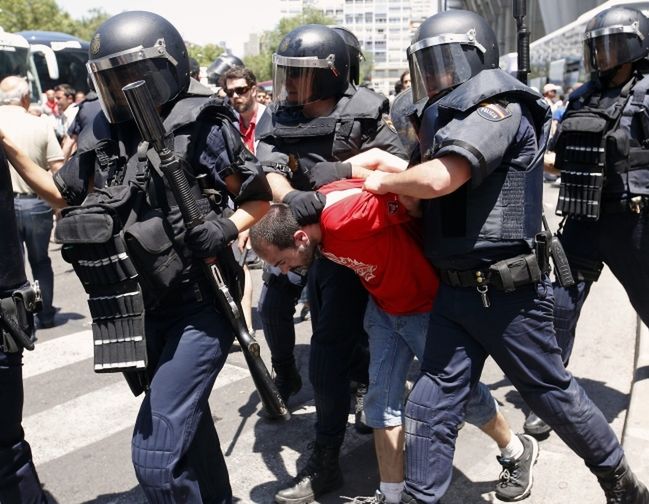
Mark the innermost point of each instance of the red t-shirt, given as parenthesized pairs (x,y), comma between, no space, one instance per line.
(375,236)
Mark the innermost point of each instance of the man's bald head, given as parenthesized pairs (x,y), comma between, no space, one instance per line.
(14,90)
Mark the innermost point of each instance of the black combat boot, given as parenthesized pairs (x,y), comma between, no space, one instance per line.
(321,475)
(287,379)
(621,486)
(536,427)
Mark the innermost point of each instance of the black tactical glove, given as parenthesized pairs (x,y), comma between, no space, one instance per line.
(325,172)
(305,205)
(210,237)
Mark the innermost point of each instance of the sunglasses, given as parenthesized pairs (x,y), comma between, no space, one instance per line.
(239,90)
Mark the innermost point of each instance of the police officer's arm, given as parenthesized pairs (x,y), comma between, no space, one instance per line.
(430,179)
(470,147)
(37,178)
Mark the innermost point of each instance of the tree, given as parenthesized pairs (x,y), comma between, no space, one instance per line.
(86,27)
(261,65)
(204,54)
(19,15)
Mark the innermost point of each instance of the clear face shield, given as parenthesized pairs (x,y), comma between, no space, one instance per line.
(439,63)
(111,73)
(607,48)
(295,79)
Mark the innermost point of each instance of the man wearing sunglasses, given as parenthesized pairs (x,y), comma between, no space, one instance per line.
(240,86)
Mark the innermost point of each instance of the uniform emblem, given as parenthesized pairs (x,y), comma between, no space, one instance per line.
(388,122)
(95,44)
(284,45)
(493,112)
(393,207)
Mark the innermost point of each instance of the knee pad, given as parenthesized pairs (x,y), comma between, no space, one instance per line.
(152,450)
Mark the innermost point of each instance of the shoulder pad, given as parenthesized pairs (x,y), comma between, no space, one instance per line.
(365,104)
(188,110)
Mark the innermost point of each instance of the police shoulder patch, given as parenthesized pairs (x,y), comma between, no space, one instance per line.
(388,122)
(493,112)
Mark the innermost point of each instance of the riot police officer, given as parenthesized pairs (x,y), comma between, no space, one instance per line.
(604,194)
(482,139)
(220,65)
(319,120)
(175,447)
(18,479)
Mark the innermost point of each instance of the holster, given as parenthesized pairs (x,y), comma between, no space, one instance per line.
(17,319)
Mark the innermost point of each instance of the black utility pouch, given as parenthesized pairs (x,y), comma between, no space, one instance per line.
(151,247)
(510,274)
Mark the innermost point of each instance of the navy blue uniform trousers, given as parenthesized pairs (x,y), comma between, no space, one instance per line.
(337,300)
(621,241)
(276,305)
(175,447)
(517,331)
(19,482)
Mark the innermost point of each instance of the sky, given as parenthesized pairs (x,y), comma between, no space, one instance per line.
(200,22)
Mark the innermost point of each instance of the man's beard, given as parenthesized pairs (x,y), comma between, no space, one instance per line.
(308,254)
(244,107)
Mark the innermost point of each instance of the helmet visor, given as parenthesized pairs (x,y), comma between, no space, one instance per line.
(436,68)
(295,79)
(111,73)
(609,47)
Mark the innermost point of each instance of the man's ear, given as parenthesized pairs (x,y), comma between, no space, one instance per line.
(300,238)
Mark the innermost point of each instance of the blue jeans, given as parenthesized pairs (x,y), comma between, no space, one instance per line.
(18,479)
(175,447)
(34,220)
(518,332)
(394,341)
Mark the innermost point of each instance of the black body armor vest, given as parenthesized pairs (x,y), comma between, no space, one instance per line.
(336,137)
(603,152)
(507,205)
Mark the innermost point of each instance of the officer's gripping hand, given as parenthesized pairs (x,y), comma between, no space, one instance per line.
(305,205)
(210,237)
(325,172)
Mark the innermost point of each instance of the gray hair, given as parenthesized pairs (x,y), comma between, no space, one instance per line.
(13,89)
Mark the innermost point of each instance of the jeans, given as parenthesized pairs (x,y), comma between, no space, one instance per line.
(34,220)
(394,341)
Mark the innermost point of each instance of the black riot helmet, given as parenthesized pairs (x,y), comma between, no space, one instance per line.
(614,37)
(355,53)
(132,46)
(448,49)
(311,63)
(221,65)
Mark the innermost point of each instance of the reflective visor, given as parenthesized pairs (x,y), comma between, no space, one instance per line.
(111,73)
(609,47)
(295,78)
(439,63)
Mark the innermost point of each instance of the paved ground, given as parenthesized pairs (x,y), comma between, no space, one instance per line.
(79,423)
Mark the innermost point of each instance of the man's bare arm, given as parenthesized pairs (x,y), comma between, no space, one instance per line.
(39,180)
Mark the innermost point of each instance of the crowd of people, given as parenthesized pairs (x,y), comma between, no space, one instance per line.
(435,253)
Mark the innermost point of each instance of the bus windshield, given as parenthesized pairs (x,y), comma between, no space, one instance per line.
(13,61)
(72,69)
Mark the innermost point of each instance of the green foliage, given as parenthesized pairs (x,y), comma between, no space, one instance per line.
(262,65)
(19,15)
(366,67)
(204,54)
(87,26)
